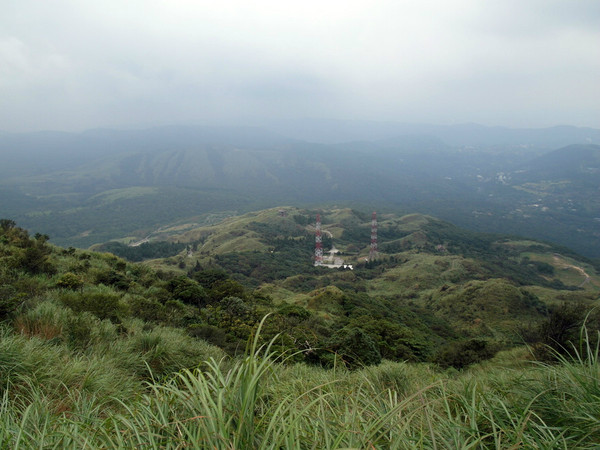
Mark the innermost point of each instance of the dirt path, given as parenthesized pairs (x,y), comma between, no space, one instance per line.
(147,238)
(143,241)
(564,265)
(311,228)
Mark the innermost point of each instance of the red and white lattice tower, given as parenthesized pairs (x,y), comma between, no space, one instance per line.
(373,251)
(318,242)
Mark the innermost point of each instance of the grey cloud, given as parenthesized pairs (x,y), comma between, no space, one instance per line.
(72,66)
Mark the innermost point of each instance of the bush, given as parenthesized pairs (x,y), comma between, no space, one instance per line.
(355,347)
(294,312)
(464,353)
(209,277)
(80,330)
(188,291)
(9,300)
(146,309)
(102,303)
(35,260)
(110,277)
(559,334)
(209,333)
(69,280)
(227,288)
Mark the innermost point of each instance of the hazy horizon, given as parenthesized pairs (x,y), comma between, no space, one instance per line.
(274,126)
(75,66)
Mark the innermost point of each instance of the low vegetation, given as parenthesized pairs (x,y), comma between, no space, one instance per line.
(423,348)
(258,401)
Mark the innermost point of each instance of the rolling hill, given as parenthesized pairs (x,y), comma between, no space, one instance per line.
(96,351)
(438,280)
(100,185)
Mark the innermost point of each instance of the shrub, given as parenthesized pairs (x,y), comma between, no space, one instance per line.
(227,288)
(187,291)
(69,280)
(79,330)
(33,286)
(464,353)
(209,333)
(209,277)
(146,309)
(110,277)
(9,300)
(294,311)
(355,347)
(35,260)
(102,303)
(559,334)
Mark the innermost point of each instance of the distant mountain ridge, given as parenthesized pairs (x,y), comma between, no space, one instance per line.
(565,163)
(329,131)
(56,183)
(41,152)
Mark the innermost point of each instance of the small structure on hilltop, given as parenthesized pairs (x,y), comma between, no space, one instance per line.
(334,251)
(332,261)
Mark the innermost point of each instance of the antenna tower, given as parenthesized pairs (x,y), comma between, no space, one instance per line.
(373,251)
(318,242)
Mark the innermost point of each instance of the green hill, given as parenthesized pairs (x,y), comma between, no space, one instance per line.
(85,189)
(96,351)
(428,273)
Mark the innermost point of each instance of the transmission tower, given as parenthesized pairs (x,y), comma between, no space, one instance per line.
(318,242)
(373,251)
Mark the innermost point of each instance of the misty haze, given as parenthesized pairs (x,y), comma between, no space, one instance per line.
(315,225)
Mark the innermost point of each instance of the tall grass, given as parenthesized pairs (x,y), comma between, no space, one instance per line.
(258,402)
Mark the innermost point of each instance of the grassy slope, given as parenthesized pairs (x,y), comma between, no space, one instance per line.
(74,360)
(259,403)
(478,283)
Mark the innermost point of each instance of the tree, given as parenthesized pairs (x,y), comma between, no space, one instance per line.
(188,291)
(69,280)
(7,224)
(355,347)
(560,333)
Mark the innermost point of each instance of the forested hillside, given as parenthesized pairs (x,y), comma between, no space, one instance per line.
(432,288)
(97,186)
(81,332)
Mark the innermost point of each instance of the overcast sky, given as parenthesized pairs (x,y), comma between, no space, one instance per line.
(73,65)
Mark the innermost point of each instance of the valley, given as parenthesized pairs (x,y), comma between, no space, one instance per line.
(187,273)
(300,225)
(108,185)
